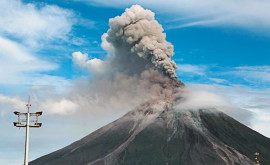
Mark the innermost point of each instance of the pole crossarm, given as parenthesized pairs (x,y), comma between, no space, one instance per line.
(36,114)
(35,125)
(24,121)
(19,113)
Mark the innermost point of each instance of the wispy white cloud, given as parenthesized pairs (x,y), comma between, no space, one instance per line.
(33,25)
(20,67)
(191,69)
(17,58)
(217,80)
(257,76)
(250,14)
(24,30)
(252,73)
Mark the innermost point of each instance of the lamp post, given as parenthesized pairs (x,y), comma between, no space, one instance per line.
(24,121)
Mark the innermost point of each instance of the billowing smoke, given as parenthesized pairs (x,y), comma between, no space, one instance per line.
(138,68)
(136,43)
(139,43)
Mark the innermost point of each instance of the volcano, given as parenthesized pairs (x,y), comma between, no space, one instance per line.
(159,133)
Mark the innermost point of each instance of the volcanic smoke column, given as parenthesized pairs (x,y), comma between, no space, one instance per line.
(139,43)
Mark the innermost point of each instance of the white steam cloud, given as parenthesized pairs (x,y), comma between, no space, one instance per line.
(95,65)
(198,96)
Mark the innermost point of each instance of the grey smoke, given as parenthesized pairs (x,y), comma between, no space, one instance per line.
(139,44)
(123,92)
(137,69)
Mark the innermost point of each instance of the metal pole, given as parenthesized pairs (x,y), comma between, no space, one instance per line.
(27,134)
(26,139)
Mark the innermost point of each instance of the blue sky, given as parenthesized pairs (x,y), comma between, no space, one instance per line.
(222,47)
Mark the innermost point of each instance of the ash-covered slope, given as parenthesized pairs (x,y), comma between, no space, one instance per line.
(156,133)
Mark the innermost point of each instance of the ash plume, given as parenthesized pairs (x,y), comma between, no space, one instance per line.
(138,69)
(139,43)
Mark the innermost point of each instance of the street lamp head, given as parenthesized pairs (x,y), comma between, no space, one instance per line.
(16,113)
(36,125)
(15,123)
(36,114)
(39,113)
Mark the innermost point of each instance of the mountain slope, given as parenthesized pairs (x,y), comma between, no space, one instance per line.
(157,133)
